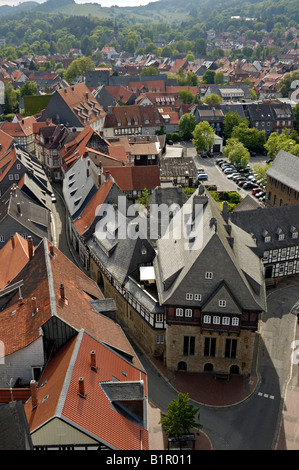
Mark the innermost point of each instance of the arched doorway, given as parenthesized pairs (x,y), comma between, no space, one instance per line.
(208,367)
(182,366)
(234,370)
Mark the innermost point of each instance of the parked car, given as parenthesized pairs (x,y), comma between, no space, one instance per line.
(242,182)
(201,170)
(204,154)
(53,197)
(202,177)
(229,170)
(219,161)
(260,194)
(255,191)
(249,185)
(231,176)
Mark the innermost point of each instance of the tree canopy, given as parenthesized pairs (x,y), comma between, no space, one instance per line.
(180,416)
(203,137)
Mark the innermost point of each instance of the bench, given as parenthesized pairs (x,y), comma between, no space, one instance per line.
(221,376)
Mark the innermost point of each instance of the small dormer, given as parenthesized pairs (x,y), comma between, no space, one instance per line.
(294,232)
(280,234)
(267,236)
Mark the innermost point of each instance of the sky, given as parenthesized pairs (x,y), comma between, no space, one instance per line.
(104,3)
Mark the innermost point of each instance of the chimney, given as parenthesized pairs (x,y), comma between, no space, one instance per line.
(34,306)
(52,250)
(93,361)
(13,244)
(19,208)
(33,388)
(30,247)
(81,388)
(225,210)
(62,296)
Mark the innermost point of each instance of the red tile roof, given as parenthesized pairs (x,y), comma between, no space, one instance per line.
(43,274)
(82,103)
(94,415)
(13,257)
(24,127)
(83,222)
(129,178)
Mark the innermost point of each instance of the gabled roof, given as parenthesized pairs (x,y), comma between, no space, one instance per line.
(89,213)
(82,103)
(19,128)
(102,414)
(13,257)
(78,186)
(215,246)
(41,278)
(22,209)
(285,169)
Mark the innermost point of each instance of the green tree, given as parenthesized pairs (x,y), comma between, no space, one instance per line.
(203,137)
(286,82)
(209,77)
(261,170)
(149,71)
(277,142)
(29,88)
(11,99)
(213,98)
(296,113)
(78,67)
(231,120)
(186,97)
(219,78)
(251,138)
(236,152)
(180,417)
(187,125)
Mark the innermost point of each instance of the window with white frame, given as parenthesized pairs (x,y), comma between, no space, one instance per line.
(209,275)
(188,312)
(235,321)
(216,320)
(207,319)
(189,296)
(179,312)
(225,321)
(10,177)
(159,339)
(159,317)
(222,303)
(197,296)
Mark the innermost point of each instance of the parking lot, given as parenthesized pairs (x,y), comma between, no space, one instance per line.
(215,174)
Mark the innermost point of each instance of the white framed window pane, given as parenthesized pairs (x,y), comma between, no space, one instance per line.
(188,312)
(209,275)
(197,296)
(189,296)
(225,321)
(179,312)
(216,320)
(222,303)
(207,319)
(235,321)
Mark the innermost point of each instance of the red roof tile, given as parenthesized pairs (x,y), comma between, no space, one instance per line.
(13,257)
(83,222)
(94,415)
(129,178)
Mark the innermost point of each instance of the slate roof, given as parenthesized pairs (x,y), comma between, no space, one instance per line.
(181,264)
(14,429)
(285,169)
(270,220)
(78,187)
(102,415)
(34,218)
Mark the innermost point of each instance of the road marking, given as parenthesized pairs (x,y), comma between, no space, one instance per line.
(266,395)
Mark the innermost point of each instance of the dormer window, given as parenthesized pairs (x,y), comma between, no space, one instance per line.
(294,232)
(222,303)
(281,236)
(209,275)
(266,235)
(267,239)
